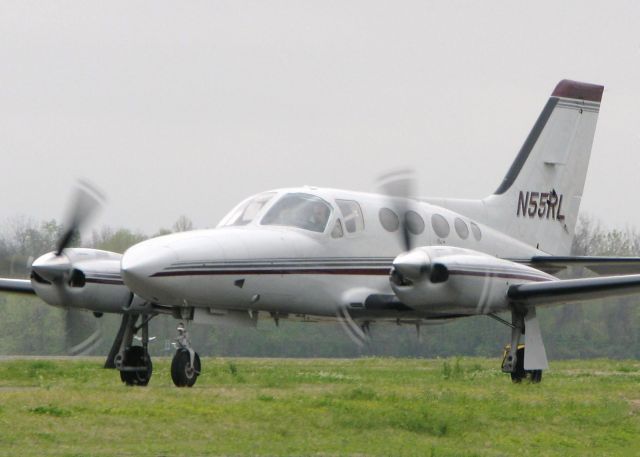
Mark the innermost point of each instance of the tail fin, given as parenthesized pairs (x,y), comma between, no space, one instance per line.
(539,198)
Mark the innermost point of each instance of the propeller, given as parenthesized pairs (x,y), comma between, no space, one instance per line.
(400,186)
(358,333)
(55,267)
(85,203)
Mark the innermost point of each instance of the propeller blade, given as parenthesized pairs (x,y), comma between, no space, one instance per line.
(400,186)
(82,333)
(351,328)
(86,201)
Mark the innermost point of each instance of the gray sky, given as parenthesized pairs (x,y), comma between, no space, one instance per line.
(187,107)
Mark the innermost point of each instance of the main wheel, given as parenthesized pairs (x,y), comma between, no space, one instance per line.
(182,373)
(135,357)
(519,374)
(536,376)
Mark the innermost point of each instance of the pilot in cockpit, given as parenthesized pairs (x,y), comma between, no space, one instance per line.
(318,218)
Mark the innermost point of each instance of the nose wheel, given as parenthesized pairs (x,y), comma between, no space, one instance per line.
(185,366)
(184,372)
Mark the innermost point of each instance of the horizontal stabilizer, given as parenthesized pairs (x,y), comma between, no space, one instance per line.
(20,286)
(603,266)
(573,290)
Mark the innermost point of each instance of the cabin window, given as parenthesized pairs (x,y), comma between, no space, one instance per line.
(440,225)
(299,210)
(246,211)
(352,215)
(337,230)
(461,228)
(415,223)
(477,234)
(389,220)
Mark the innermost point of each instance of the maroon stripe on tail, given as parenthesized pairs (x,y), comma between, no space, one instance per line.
(577,90)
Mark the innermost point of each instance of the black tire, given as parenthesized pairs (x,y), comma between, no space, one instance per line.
(519,374)
(182,374)
(536,376)
(135,357)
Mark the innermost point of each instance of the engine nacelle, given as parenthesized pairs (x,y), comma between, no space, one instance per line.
(81,278)
(457,281)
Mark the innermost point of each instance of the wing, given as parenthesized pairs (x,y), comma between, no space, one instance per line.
(603,266)
(573,290)
(21,286)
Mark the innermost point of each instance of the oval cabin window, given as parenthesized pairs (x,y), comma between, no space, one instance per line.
(477,234)
(389,220)
(415,223)
(461,228)
(440,226)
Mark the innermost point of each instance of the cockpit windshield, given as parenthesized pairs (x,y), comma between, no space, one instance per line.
(304,211)
(246,211)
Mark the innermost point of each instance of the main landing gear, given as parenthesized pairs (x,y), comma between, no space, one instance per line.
(134,362)
(185,366)
(519,373)
(513,360)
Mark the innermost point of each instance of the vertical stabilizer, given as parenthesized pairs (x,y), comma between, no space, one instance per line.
(539,198)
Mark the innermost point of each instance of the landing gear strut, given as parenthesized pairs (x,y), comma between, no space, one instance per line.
(185,366)
(133,362)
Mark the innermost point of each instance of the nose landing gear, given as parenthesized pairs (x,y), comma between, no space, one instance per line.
(185,366)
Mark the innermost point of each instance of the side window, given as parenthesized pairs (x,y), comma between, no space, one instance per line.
(477,234)
(415,223)
(461,228)
(389,220)
(352,215)
(440,225)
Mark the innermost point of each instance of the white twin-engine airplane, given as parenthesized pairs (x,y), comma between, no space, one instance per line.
(319,254)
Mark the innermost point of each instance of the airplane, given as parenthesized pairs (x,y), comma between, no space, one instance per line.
(319,254)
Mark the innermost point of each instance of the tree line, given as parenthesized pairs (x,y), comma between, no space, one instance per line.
(606,328)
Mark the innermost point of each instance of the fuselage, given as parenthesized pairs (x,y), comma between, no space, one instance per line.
(300,252)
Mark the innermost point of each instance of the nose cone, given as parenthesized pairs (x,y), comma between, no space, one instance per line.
(140,266)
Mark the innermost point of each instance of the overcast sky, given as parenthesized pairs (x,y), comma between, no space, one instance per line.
(187,107)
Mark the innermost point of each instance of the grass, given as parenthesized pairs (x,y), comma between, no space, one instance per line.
(361,407)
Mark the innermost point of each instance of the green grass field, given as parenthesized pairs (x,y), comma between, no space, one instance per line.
(362,407)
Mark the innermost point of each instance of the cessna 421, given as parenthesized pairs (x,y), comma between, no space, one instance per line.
(318,254)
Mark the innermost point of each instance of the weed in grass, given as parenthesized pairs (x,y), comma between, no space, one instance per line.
(46,437)
(627,368)
(419,421)
(235,373)
(263,397)
(51,410)
(455,372)
(361,393)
